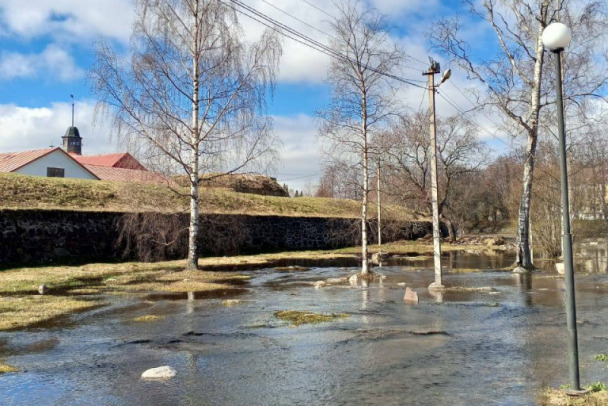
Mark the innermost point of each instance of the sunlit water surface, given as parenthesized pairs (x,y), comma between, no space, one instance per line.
(464,348)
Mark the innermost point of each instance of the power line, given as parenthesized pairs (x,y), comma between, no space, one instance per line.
(271,27)
(470,120)
(316,45)
(297,19)
(307,41)
(318,8)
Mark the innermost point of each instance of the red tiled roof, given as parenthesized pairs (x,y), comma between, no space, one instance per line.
(120,160)
(11,161)
(126,175)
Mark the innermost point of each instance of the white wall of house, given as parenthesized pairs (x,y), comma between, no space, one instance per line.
(56,159)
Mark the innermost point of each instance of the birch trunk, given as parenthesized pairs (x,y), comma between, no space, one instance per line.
(524,254)
(192,262)
(364,262)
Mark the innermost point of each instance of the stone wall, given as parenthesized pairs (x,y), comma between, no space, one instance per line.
(63,237)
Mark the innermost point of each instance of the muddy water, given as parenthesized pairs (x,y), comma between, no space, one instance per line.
(464,348)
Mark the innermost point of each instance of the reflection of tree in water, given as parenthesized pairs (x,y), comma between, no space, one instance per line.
(594,256)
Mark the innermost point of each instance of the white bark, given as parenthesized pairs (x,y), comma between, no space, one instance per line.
(524,254)
(180,51)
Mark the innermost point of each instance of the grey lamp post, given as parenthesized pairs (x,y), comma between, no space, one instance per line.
(556,38)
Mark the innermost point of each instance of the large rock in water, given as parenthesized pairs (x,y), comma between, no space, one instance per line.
(410,297)
(164,372)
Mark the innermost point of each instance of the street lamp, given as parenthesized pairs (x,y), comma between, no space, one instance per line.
(556,38)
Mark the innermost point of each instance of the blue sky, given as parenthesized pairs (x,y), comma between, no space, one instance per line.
(46,49)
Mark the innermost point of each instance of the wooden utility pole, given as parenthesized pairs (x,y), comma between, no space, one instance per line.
(433,70)
(379,206)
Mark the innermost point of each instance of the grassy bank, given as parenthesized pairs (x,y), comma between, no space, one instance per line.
(20,191)
(557,397)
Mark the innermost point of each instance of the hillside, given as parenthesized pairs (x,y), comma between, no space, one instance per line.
(20,191)
(242,183)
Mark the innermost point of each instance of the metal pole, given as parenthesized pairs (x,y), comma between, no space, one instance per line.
(434,195)
(379,207)
(567,236)
(72,96)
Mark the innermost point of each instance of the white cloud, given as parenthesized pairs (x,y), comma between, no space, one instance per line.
(300,152)
(53,62)
(25,128)
(73,20)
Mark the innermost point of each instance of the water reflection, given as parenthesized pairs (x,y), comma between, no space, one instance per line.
(594,255)
(385,353)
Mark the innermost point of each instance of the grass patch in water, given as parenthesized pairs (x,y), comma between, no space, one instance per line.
(147,318)
(4,368)
(485,289)
(21,306)
(232,302)
(20,312)
(297,318)
(601,357)
(557,397)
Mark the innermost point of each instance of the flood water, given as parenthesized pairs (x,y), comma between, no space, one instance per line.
(495,347)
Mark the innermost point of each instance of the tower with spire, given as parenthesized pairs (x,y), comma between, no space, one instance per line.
(72,142)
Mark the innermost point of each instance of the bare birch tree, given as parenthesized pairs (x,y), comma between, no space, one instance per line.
(406,148)
(192,92)
(513,77)
(362,99)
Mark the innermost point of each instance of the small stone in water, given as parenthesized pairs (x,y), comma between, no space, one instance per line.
(164,372)
(410,297)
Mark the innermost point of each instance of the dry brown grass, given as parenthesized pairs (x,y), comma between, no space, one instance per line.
(148,318)
(78,288)
(297,318)
(18,312)
(557,397)
(21,191)
(413,247)
(4,368)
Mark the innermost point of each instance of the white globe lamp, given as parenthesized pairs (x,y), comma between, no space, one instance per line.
(556,37)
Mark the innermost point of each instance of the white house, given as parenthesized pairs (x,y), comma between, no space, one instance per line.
(51,162)
(67,162)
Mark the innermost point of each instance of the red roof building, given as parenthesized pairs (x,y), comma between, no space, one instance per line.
(68,162)
(126,175)
(121,160)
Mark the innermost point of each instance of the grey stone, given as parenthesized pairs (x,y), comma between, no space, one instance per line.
(43,289)
(521,270)
(319,284)
(379,257)
(164,372)
(410,297)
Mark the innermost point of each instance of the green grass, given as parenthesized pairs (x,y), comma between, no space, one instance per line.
(596,387)
(558,397)
(31,192)
(601,357)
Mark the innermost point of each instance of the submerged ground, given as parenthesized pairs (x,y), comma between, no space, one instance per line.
(496,338)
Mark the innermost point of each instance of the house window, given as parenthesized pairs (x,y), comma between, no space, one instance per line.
(55,172)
